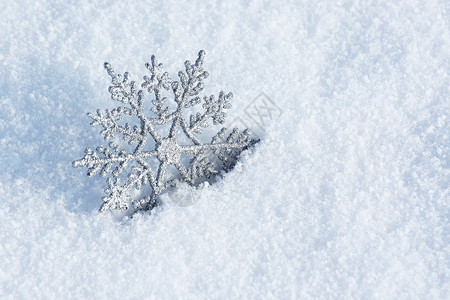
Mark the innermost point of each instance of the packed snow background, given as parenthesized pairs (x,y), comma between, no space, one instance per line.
(346,195)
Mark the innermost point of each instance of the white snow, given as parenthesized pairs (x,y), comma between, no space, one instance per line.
(346,196)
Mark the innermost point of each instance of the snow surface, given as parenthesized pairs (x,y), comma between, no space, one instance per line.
(346,196)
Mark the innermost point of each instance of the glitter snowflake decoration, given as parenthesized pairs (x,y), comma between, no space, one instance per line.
(144,161)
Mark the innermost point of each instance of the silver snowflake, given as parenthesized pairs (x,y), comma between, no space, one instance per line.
(146,160)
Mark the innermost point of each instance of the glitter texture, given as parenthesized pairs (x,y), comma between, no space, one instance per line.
(136,166)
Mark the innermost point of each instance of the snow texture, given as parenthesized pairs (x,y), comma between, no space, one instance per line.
(166,149)
(345,197)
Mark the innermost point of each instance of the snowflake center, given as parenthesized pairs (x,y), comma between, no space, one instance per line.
(168,151)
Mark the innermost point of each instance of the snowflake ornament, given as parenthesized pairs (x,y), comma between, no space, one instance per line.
(144,161)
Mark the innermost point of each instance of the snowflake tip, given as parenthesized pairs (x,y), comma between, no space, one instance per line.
(204,75)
